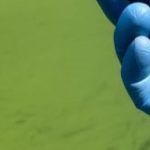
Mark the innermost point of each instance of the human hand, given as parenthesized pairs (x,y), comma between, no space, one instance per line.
(132,43)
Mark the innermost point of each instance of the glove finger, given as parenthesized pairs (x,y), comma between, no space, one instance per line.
(136,72)
(133,22)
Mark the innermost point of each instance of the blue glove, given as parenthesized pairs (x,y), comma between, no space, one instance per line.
(131,38)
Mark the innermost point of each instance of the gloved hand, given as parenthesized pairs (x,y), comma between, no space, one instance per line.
(131,38)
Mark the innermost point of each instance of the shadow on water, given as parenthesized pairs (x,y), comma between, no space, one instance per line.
(98,90)
(112,148)
(77,131)
(21,121)
(145,145)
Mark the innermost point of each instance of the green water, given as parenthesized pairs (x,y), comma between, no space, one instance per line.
(60,85)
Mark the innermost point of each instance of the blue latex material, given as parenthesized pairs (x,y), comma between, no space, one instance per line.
(132,45)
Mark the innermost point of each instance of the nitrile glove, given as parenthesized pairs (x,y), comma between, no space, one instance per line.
(131,38)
